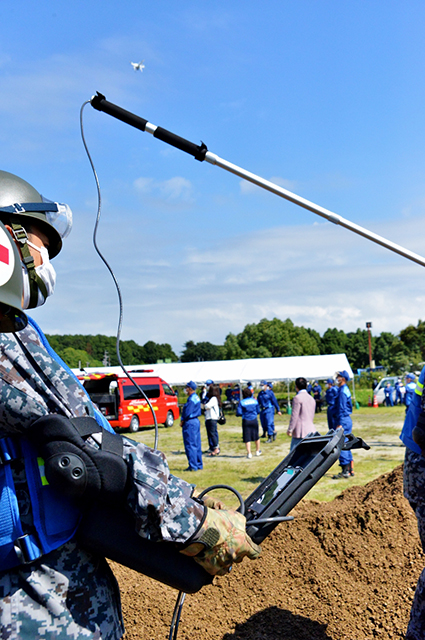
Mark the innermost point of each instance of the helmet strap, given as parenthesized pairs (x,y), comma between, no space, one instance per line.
(35,282)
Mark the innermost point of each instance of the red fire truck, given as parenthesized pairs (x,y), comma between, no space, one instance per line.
(124,406)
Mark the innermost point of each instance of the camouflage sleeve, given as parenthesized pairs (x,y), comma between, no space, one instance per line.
(163,504)
(32,384)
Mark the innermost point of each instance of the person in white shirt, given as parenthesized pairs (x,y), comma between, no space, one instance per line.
(212,406)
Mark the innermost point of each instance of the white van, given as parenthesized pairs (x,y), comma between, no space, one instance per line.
(378,392)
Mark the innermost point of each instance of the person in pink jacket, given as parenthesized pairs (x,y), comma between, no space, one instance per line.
(303,410)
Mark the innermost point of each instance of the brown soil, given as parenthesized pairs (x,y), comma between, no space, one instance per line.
(341,570)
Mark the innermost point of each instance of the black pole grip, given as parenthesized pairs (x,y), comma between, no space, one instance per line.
(100,103)
(195,150)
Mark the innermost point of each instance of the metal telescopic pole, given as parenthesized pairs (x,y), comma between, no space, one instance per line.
(212,158)
(201,153)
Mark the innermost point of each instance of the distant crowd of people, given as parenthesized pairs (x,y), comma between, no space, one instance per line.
(306,403)
(400,393)
(210,403)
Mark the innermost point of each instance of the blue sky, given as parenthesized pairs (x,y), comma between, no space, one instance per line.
(324,97)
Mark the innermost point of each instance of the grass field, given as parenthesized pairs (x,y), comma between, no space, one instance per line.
(379,427)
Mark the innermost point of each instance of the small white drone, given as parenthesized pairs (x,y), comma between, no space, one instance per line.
(138,66)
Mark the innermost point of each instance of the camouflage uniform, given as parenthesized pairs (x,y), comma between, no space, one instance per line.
(70,593)
(414,491)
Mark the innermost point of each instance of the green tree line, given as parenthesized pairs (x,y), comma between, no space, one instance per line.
(281,338)
(92,351)
(266,339)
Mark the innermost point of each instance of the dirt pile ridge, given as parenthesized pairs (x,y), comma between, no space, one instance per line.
(346,569)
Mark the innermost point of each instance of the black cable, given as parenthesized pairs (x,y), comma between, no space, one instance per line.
(181,597)
(176,616)
(241,507)
(99,204)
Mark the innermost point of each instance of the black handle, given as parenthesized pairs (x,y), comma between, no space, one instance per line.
(100,103)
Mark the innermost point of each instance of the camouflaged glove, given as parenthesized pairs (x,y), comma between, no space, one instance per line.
(221,541)
(210,502)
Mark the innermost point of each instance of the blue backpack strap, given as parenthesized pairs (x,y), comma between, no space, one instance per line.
(10,524)
(55,517)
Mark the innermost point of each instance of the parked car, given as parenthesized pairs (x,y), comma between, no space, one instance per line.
(124,406)
(378,392)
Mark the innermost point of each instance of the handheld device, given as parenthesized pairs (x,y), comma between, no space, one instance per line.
(281,491)
(109,531)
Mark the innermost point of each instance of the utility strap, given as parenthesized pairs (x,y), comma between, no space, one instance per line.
(35,207)
(36,283)
(111,442)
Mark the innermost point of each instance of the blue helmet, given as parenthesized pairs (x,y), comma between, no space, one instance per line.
(343,374)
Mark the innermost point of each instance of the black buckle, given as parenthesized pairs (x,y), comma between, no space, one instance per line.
(27,549)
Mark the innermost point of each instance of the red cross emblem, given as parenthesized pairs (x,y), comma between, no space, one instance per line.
(4,254)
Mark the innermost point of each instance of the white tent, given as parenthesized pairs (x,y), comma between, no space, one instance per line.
(252,369)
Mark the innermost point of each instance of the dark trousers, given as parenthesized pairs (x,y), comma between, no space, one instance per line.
(212,433)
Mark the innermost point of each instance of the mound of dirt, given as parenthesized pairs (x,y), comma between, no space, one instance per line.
(341,570)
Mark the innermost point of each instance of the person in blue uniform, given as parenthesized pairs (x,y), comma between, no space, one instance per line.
(268,404)
(398,394)
(191,428)
(331,394)
(343,411)
(389,395)
(414,492)
(249,409)
(236,393)
(317,395)
(228,394)
(410,389)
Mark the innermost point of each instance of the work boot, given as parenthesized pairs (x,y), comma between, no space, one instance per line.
(269,440)
(274,436)
(344,473)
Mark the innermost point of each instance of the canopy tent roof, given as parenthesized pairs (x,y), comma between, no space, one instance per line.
(252,369)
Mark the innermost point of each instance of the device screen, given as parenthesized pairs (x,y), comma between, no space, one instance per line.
(277,486)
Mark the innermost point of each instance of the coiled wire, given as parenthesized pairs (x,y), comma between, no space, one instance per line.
(107,265)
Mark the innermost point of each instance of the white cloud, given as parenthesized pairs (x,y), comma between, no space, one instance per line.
(173,190)
(144,185)
(320,276)
(177,188)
